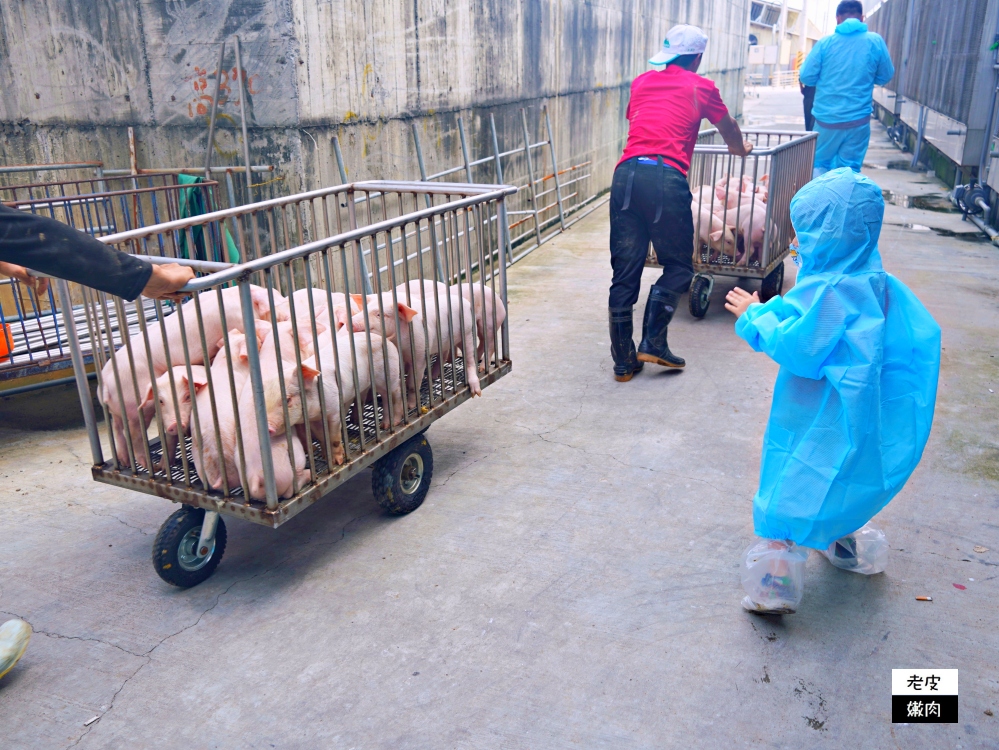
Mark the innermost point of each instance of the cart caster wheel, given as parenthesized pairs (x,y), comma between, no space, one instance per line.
(700,296)
(175,553)
(773,283)
(400,480)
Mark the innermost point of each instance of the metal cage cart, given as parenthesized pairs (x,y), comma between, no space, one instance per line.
(750,243)
(292,365)
(33,341)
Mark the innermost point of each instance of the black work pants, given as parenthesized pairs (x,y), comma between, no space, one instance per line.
(649,202)
(808,94)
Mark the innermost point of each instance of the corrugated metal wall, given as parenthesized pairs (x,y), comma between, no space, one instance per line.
(944,52)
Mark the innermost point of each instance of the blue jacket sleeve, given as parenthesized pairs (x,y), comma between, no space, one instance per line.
(885,70)
(800,337)
(809,73)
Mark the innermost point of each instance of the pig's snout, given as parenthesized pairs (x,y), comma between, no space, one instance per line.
(172,429)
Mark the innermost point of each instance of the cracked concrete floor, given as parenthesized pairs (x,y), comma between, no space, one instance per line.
(571,581)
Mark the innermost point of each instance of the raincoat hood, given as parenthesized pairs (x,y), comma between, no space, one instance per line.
(851,26)
(837,218)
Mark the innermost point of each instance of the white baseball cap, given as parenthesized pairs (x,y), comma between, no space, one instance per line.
(680,40)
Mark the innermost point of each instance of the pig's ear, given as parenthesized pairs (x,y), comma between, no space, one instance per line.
(716,235)
(200,382)
(147,398)
(357,299)
(309,373)
(341,317)
(406,313)
(262,331)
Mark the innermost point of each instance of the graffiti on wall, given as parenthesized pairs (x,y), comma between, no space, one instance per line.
(203,83)
(183,48)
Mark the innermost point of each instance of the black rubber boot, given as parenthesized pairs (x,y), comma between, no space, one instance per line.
(658,313)
(622,344)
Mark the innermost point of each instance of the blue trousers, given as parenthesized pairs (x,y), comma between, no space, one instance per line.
(840,148)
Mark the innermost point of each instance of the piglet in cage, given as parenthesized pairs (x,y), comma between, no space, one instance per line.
(490,312)
(287,456)
(177,413)
(752,229)
(320,304)
(134,404)
(306,406)
(712,232)
(443,304)
(208,461)
(403,325)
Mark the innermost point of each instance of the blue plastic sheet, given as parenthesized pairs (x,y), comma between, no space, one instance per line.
(859,356)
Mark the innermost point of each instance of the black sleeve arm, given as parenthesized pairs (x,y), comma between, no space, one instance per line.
(54,248)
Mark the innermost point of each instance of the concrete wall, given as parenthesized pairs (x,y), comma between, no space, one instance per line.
(74,76)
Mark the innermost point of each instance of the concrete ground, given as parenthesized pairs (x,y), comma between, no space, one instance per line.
(572,579)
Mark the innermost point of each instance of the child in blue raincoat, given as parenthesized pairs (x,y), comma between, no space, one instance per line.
(854,398)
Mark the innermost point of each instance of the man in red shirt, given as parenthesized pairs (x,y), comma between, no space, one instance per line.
(650,197)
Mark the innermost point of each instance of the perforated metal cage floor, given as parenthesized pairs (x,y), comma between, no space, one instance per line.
(450,380)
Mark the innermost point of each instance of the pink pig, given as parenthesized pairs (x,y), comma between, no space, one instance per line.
(177,414)
(711,231)
(752,228)
(320,304)
(135,404)
(490,312)
(308,407)
(408,335)
(206,453)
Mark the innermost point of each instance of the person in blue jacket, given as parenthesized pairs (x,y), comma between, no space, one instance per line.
(845,67)
(859,357)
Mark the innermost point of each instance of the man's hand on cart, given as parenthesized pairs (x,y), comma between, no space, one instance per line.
(36,284)
(730,131)
(166,280)
(738,301)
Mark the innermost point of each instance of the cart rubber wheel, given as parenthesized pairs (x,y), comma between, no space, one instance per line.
(700,298)
(175,554)
(772,284)
(401,479)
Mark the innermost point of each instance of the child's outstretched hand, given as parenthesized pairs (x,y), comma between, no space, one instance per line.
(738,301)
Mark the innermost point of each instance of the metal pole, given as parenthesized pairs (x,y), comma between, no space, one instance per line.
(211,118)
(365,280)
(783,33)
(433,230)
(503,260)
(80,372)
(259,404)
(502,216)
(246,141)
(464,149)
(551,150)
(339,160)
(133,162)
(530,175)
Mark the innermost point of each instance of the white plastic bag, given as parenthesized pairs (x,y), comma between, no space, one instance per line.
(864,551)
(773,575)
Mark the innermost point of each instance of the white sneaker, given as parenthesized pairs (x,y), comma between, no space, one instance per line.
(14,637)
(773,575)
(864,551)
